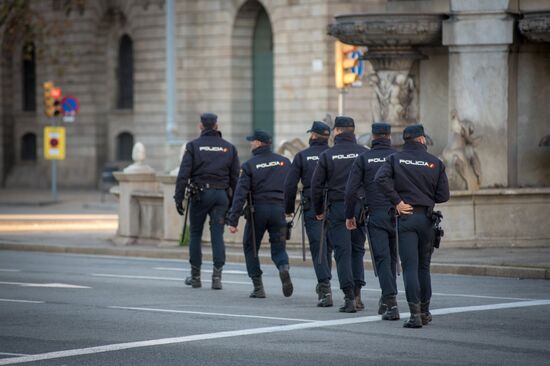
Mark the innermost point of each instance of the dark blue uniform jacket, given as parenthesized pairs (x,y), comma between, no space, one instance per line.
(208,159)
(264,175)
(414,176)
(333,169)
(361,178)
(302,168)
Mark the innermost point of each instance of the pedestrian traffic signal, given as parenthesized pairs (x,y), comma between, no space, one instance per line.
(52,100)
(345,62)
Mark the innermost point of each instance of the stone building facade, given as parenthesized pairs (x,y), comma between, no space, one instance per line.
(270,64)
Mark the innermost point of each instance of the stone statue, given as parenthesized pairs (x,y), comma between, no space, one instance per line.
(291,148)
(460,157)
(138,156)
(399,99)
(379,104)
(176,170)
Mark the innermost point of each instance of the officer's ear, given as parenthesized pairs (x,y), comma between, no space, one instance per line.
(201,127)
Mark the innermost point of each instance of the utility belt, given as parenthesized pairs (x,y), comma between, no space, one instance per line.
(206,186)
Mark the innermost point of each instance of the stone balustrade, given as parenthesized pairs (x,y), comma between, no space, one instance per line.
(488,217)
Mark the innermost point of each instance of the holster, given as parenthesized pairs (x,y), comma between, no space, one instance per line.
(289,229)
(436,217)
(306,203)
(363,216)
(247,212)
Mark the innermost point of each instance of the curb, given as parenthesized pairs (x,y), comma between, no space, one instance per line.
(294,260)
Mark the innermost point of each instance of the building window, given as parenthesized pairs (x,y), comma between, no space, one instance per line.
(124,146)
(28,147)
(29,77)
(125,73)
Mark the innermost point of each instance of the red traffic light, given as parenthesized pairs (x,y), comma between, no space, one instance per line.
(55,93)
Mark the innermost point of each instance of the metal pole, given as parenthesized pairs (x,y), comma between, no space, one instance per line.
(170,74)
(54,180)
(341,93)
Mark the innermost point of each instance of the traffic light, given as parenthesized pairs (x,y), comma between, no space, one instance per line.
(52,100)
(57,108)
(345,62)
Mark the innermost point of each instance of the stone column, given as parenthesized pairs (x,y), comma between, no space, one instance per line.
(173,222)
(479,34)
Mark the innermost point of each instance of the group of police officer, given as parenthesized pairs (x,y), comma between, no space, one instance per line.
(350,194)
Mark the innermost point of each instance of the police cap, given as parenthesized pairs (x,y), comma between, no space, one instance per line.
(343,121)
(208,120)
(320,128)
(412,131)
(381,128)
(260,135)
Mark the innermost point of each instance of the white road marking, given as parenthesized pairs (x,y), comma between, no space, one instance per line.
(157,278)
(23,301)
(212,314)
(225,271)
(465,295)
(9,270)
(12,354)
(48,285)
(252,331)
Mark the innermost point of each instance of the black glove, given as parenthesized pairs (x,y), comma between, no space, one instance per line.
(179,208)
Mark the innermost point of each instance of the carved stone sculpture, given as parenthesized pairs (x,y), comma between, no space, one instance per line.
(291,148)
(138,156)
(460,157)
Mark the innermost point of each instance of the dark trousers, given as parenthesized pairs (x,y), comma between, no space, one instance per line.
(214,203)
(381,230)
(270,218)
(415,250)
(349,248)
(313,230)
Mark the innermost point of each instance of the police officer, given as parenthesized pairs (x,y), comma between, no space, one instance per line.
(262,178)
(302,168)
(415,181)
(331,174)
(211,164)
(380,227)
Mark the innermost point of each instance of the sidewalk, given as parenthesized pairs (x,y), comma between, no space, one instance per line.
(81,224)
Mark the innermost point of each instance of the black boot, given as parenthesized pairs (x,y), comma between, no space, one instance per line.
(415,321)
(382,307)
(195,279)
(325,295)
(258,291)
(425,313)
(349,302)
(285,280)
(217,278)
(391,313)
(358,303)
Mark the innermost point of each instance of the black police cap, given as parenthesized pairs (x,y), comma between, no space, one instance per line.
(320,128)
(413,131)
(381,128)
(260,135)
(209,119)
(343,121)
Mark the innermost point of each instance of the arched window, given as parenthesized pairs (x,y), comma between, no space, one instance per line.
(125,73)
(28,147)
(124,145)
(29,77)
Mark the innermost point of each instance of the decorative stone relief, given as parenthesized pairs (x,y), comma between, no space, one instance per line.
(291,148)
(460,157)
(138,156)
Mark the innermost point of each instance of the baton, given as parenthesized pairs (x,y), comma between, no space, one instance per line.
(254,251)
(367,234)
(322,241)
(397,261)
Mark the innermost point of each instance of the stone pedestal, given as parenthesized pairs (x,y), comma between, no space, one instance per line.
(173,222)
(131,184)
(478,35)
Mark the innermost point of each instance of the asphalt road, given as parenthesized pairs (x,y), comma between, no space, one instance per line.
(58,309)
